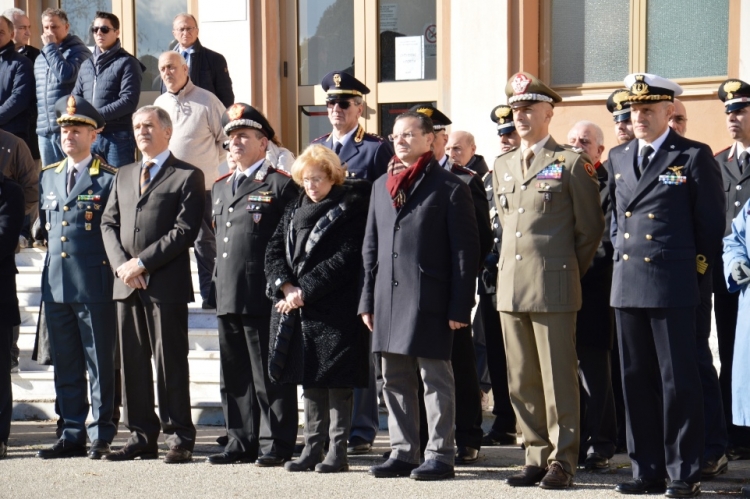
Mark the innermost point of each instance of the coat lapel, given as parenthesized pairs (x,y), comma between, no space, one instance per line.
(432,165)
(83,183)
(663,157)
(351,148)
(545,157)
(513,160)
(165,171)
(248,186)
(61,183)
(626,172)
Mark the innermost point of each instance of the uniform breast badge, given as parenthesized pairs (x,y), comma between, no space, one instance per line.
(673,178)
(257,217)
(89,216)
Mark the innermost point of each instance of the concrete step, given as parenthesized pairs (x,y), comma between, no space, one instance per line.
(197,317)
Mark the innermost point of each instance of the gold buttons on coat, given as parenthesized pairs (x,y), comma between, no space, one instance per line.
(64,255)
(66,208)
(651,216)
(627,214)
(626,235)
(647,260)
(625,257)
(64,224)
(649,237)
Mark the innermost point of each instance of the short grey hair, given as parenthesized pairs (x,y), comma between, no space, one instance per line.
(598,134)
(164,120)
(11,13)
(186,15)
(173,53)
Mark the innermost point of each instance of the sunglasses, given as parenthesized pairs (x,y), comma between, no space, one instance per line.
(103,29)
(343,103)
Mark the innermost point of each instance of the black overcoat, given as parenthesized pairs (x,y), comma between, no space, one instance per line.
(11,220)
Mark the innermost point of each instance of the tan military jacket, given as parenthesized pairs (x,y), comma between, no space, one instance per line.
(552,225)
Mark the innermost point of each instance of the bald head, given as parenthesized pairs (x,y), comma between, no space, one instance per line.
(461,147)
(678,121)
(588,136)
(173,70)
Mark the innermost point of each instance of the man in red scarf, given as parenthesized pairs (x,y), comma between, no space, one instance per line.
(420,255)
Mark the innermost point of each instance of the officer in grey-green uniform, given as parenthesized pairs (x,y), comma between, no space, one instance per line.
(77,284)
(547,199)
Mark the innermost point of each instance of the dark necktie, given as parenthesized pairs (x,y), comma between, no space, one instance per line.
(743,161)
(237,185)
(146,176)
(71,180)
(645,153)
(186,56)
(337,148)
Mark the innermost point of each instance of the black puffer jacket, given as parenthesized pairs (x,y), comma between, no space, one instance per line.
(112,83)
(330,345)
(56,70)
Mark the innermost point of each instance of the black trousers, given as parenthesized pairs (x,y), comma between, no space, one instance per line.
(662,388)
(159,330)
(6,388)
(716,438)
(598,421)
(261,415)
(725,312)
(468,396)
(488,318)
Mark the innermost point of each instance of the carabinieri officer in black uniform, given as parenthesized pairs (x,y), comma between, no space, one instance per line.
(247,206)
(365,154)
(77,283)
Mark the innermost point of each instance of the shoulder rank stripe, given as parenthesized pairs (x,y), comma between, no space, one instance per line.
(53,165)
(224,176)
(725,149)
(323,137)
(283,172)
(260,199)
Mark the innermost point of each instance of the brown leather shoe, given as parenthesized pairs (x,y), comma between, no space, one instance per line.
(130,452)
(556,477)
(530,475)
(178,455)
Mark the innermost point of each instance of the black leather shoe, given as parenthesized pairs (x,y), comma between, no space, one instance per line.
(230,458)
(432,469)
(642,486)
(130,452)
(3,450)
(596,462)
(392,468)
(98,449)
(357,446)
(494,438)
(714,467)
(678,488)
(738,453)
(63,448)
(223,440)
(530,475)
(270,460)
(178,455)
(466,455)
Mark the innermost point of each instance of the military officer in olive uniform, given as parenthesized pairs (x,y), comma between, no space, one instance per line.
(366,156)
(668,205)
(487,319)
(247,206)
(463,359)
(77,284)
(547,197)
(734,162)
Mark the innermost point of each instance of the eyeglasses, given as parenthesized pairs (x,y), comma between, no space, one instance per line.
(184,30)
(313,180)
(103,29)
(406,136)
(343,104)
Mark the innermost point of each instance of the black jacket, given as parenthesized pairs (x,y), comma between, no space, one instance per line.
(11,220)
(208,70)
(16,90)
(112,83)
(333,347)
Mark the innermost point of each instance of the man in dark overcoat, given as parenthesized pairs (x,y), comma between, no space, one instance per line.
(247,206)
(421,255)
(151,220)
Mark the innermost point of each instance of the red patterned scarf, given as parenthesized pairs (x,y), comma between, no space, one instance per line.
(401,178)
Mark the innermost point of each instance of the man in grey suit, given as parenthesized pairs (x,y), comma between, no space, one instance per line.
(151,220)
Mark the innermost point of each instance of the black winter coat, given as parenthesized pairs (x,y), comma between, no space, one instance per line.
(331,348)
(111,82)
(11,219)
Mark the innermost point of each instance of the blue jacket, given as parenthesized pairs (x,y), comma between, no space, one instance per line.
(111,81)
(77,269)
(16,89)
(56,70)
(366,155)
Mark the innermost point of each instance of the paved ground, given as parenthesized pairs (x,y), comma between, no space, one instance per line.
(26,476)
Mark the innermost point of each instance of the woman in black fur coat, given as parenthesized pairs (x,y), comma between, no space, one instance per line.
(313,265)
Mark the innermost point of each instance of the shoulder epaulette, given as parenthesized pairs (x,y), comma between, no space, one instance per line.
(375,136)
(53,165)
(464,169)
(568,147)
(508,151)
(107,168)
(723,150)
(223,177)
(489,172)
(324,137)
(283,172)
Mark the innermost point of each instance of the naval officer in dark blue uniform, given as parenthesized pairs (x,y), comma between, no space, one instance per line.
(668,203)
(77,284)
(366,156)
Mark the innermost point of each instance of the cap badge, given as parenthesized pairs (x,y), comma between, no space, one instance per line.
(619,98)
(426,111)
(71,109)
(235,111)
(337,80)
(520,83)
(730,87)
(502,113)
(640,87)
